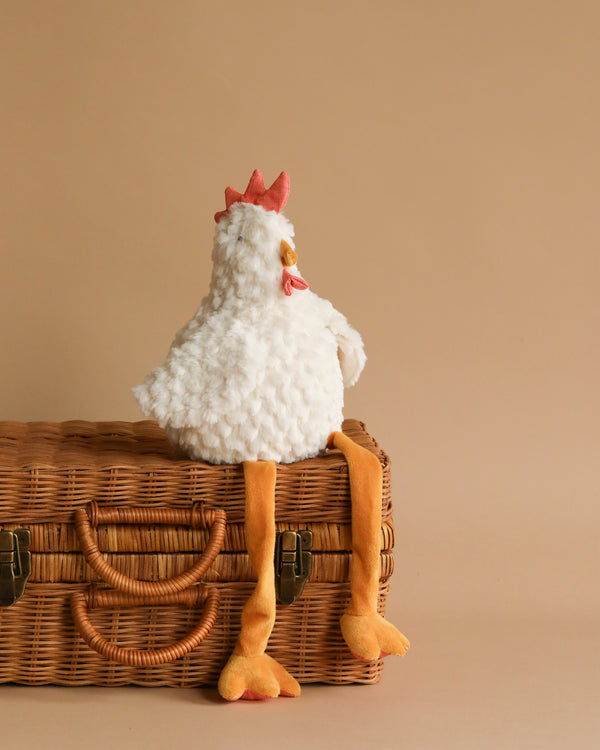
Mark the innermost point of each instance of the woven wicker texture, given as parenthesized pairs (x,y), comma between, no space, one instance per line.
(62,537)
(70,567)
(52,474)
(39,644)
(48,470)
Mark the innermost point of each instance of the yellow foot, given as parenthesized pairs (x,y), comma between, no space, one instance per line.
(256,678)
(370,637)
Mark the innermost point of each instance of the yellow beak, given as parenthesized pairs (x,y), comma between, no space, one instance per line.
(288,256)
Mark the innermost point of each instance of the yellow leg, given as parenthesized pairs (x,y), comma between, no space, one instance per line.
(250,673)
(368,635)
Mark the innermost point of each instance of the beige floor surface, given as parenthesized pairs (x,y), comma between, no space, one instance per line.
(481,683)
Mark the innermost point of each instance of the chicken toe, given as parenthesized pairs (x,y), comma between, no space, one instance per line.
(256,678)
(371,637)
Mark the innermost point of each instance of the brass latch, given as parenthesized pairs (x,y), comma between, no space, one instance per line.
(15,565)
(293,563)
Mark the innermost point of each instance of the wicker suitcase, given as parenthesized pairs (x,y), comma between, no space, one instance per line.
(144,513)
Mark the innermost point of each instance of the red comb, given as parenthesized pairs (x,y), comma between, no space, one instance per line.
(273,199)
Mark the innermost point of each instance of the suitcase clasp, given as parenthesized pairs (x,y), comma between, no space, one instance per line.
(293,563)
(15,565)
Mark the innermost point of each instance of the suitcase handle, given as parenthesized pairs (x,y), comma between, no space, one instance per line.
(195,516)
(192,597)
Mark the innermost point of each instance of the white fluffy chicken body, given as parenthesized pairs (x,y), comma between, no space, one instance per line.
(259,372)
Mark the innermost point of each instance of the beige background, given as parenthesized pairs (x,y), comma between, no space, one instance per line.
(445,165)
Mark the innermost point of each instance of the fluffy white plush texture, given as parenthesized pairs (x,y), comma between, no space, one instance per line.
(255,374)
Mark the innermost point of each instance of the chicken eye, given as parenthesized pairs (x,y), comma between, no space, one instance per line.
(240,238)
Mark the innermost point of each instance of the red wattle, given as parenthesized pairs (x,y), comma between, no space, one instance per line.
(291,282)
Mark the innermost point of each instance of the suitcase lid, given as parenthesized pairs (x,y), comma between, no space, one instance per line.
(49,469)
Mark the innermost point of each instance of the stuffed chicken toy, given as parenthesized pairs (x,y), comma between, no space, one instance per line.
(257,377)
